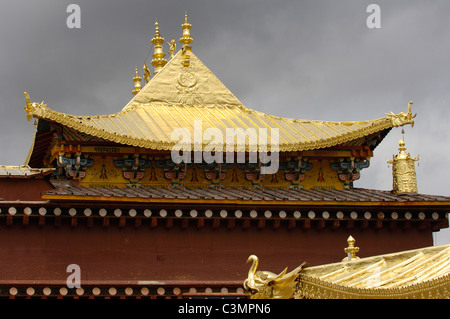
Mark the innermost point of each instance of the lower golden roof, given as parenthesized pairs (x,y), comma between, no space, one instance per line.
(419,273)
(23,171)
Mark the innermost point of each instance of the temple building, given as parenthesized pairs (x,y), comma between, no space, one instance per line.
(169,196)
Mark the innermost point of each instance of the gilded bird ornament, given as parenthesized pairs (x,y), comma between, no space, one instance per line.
(262,284)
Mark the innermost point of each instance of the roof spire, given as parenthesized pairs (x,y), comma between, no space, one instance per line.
(137,83)
(403,171)
(158,56)
(351,250)
(186,39)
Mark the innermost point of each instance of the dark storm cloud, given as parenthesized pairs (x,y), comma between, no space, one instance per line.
(299,59)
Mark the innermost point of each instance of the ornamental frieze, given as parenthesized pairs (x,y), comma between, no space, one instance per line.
(75,167)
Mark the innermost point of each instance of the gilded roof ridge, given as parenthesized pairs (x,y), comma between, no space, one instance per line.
(87,125)
(244,108)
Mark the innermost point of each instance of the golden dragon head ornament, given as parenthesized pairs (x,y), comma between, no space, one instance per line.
(402,118)
(30,107)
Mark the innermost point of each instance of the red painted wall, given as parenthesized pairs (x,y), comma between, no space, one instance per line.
(23,189)
(43,252)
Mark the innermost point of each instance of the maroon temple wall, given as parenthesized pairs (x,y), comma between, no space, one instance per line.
(23,189)
(43,252)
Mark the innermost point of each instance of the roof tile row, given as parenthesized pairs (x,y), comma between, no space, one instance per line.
(327,195)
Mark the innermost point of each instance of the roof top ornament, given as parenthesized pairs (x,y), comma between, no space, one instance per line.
(262,284)
(158,56)
(137,82)
(403,171)
(402,118)
(186,39)
(351,250)
(31,107)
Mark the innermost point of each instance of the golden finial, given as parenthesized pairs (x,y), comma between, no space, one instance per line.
(403,171)
(186,39)
(351,250)
(147,73)
(158,56)
(137,83)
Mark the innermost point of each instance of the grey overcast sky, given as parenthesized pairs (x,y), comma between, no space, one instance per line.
(310,59)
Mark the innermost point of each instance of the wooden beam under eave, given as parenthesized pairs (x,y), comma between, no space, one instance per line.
(90,222)
(106,221)
(261,223)
(9,220)
(122,221)
(392,225)
(169,222)
(378,224)
(137,222)
(292,223)
(335,224)
(425,224)
(350,224)
(276,223)
(73,221)
(246,223)
(200,222)
(320,224)
(444,223)
(306,224)
(438,225)
(231,223)
(41,221)
(406,224)
(25,220)
(57,221)
(364,224)
(216,223)
(153,222)
(184,223)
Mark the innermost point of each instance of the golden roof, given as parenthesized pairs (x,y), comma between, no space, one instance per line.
(420,273)
(23,171)
(183,91)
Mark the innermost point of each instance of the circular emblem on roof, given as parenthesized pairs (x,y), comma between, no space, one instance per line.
(187,79)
